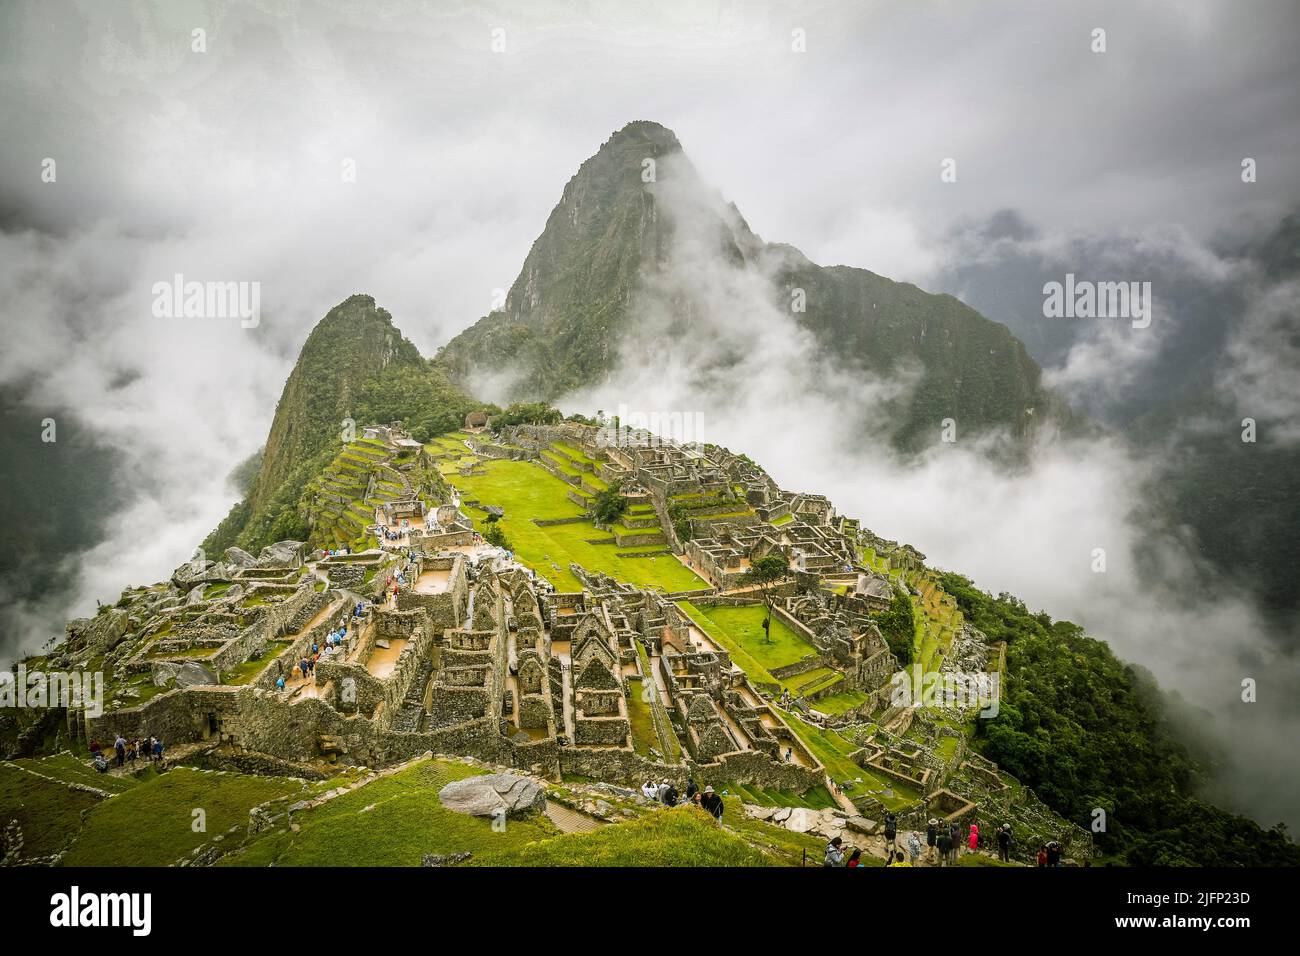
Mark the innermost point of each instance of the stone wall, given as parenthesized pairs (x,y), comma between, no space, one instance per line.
(276,620)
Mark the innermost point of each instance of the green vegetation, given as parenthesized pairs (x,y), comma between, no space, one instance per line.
(898,627)
(833,752)
(526,491)
(49,813)
(68,768)
(765,574)
(528,413)
(1085,730)
(840,703)
(354,366)
(392,821)
(642,719)
(680,837)
(818,798)
(740,631)
(610,505)
(152,824)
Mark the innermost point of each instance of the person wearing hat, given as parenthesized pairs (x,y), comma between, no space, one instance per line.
(834,853)
(1004,843)
(712,803)
(931,838)
(946,850)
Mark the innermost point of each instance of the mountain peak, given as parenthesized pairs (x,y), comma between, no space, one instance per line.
(640,132)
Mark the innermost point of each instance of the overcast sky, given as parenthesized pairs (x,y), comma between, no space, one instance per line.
(226,164)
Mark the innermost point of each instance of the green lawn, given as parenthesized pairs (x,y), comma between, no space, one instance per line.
(739,630)
(152,824)
(70,769)
(818,798)
(526,491)
(390,822)
(49,813)
(643,722)
(679,837)
(843,702)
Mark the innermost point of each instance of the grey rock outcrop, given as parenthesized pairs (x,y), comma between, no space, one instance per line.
(488,795)
(239,558)
(282,554)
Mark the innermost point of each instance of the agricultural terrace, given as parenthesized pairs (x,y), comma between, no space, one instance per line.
(739,632)
(525,490)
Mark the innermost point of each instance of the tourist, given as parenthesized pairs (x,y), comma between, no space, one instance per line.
(670,797)
(914,847)
(157,750)
(855,858)
(303,666)
(1041,859)
(649,790)
(973,840)
(94,749)
(279,682)
(954,833)
(661,792)
(834,854)
(899,861)
(931,838)
(1054,853)
(891,830)
(119,748)
(691,789)
(131,749)
(100,763)
(1004,843)
(944,842)
(789,753)
(712,803)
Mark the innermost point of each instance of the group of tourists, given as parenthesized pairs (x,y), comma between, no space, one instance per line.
(126,752)
(942,844)
(666,793)
(1049,854)
(395,534)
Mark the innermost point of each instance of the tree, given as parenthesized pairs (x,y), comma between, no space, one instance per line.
(610,504)
(494,534)
(767,572)
(528,413)
(898,627)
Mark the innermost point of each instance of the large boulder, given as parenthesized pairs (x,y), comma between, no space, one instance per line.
(239,558)
(194,674)
(488,795)
(802,820)
(282,554)
(164,672)
(193,573)
(98,634)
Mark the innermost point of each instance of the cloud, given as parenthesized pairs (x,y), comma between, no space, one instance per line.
(1260,372)
(707,339)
